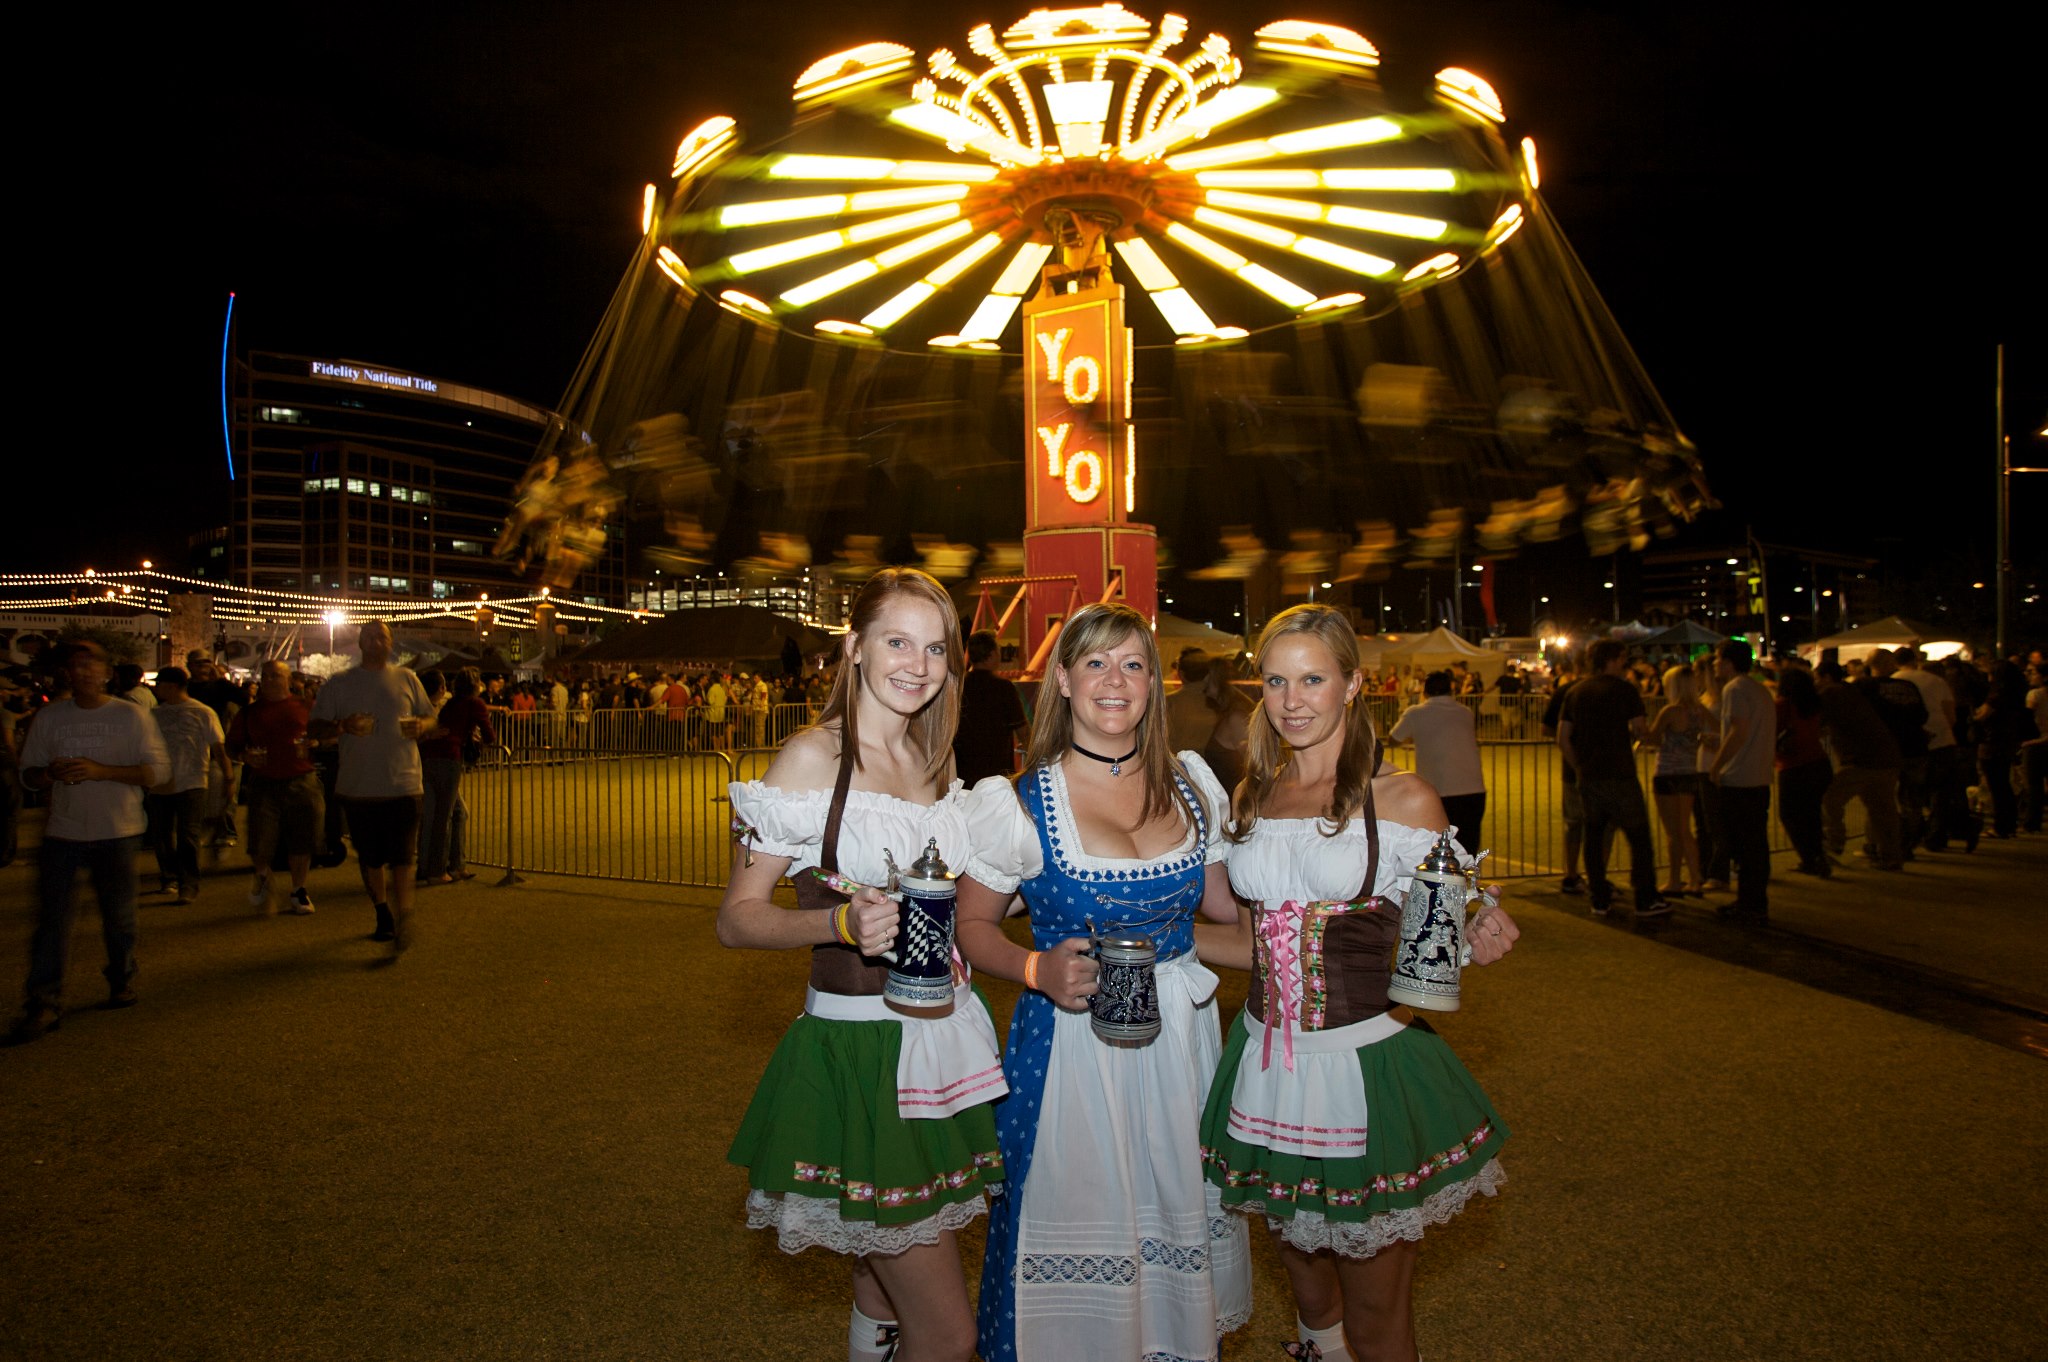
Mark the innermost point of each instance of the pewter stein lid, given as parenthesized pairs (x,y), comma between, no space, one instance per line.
(931,865)
(1443,857)
(1127,946)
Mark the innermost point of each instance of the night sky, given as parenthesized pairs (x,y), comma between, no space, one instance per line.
(1813,228)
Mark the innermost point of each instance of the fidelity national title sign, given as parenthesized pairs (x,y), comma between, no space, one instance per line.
(1083,468)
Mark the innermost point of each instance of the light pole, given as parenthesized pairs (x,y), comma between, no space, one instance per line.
(2002,578)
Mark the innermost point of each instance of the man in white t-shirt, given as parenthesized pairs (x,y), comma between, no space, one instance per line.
(196,742)
(1741,767)
(1446,743)
(379,711)
(95,756)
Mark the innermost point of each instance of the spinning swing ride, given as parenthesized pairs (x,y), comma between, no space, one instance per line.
(1362,289)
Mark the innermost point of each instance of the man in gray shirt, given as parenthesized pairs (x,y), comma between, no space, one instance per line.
(94,755)
(1742,768)
(379,711)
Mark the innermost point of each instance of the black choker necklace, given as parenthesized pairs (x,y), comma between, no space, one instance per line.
(1115,764)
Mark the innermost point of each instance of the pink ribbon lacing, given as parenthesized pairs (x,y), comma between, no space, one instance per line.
(1280,928)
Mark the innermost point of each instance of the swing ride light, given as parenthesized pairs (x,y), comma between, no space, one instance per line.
(1103,111)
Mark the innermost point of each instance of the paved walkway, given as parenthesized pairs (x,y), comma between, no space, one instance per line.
(510,1144)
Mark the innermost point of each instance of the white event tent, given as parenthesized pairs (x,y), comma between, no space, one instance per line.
(1894,631)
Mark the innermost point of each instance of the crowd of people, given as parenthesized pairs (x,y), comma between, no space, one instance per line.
(661,711)
(375,751)
(1939,754)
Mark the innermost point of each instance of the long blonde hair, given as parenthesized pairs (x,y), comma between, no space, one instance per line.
(931,728)
(1093,629)
(1266,755)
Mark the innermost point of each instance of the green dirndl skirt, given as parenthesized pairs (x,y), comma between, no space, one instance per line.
(831,1162)
(1432,1142)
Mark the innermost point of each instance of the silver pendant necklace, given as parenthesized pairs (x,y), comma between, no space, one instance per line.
(1115,764)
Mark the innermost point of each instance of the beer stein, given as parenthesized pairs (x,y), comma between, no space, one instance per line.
(1433,948)
(1125,1008)
(920,982)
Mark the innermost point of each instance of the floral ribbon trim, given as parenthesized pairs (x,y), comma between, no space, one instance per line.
(1293,997)
(746,834)
(1313,1188)
(866,1193)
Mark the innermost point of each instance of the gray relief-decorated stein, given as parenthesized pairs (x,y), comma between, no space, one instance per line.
(1432,948)
(1125,1008)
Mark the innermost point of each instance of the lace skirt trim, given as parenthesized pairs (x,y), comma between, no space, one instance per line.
(1310,1231)
(802,1222)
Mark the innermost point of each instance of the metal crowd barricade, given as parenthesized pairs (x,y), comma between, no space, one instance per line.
(626,794)
(632,794)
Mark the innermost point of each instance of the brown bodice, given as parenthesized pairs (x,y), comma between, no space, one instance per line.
(1346,959)
(836,968)
(1344,952)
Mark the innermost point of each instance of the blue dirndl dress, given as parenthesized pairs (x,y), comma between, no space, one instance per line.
(1109,1242)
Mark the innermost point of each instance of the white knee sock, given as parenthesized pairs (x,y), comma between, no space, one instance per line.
(869,1340)
(1330,1340)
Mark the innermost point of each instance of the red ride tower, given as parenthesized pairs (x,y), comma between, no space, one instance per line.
(1081,471)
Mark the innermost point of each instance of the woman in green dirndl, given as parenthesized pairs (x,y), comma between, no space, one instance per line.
(1349,1125)
(870,1133)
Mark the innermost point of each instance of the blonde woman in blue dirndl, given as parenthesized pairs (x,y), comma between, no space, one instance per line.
(870,1133)
(1349,1126)
(1106,1242)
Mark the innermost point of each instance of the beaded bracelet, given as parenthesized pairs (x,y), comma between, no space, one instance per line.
(1031,970)
(840,927)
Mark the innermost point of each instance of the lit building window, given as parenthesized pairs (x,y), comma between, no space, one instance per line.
(358,486)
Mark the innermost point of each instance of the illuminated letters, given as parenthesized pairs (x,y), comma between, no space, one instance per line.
(1084,491)
(1078,421)
(1054,344)
(1083,381)
(1052,437)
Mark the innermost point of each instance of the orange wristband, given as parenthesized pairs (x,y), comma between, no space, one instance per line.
(841,928)
(1031,970)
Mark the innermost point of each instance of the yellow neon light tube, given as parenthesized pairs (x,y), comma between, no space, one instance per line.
(800,167)
(1146,266)
(1356,133)
(833,205)
(1315,248)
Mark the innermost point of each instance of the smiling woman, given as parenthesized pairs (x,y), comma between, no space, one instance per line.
(870,1133)
(1322,845)
(1105,1242)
